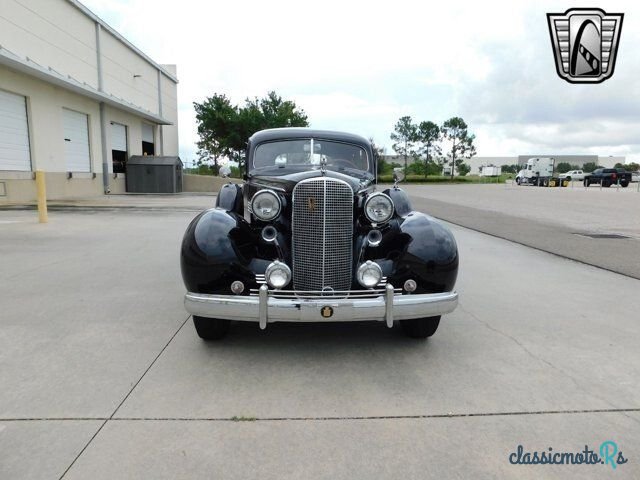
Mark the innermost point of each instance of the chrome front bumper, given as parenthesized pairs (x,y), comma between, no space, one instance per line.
(270,306)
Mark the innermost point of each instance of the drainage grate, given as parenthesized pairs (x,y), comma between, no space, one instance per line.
(602,235)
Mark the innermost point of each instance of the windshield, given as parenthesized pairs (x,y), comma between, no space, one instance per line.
(310,152)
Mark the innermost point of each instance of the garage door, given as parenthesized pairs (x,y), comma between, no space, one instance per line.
(76,141)
(118,137)
(14,133)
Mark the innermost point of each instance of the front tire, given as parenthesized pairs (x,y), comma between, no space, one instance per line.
(420,327)
(211,328)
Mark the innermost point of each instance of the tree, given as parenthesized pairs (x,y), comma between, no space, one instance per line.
(429,135)
(405,136)
(463,169)
(563,167)
(215,117)
(417,168)
(224,128)
(456,130)
(510,168)
(590,166)
(629,167)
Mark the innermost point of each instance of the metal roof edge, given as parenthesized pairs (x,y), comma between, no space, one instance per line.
(28,67)
(119,37)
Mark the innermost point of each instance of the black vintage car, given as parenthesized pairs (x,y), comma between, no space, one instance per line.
(307,238)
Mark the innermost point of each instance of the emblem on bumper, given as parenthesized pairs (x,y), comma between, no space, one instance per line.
(326,312)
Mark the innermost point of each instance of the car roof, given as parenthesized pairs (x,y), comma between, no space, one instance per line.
(297,132)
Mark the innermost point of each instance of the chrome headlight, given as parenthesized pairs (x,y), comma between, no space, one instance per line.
(378,208)
(278,275)
(265,205)
(369,274)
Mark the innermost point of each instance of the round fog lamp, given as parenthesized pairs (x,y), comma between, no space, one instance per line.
(410,286)
(237,287)
(278,275)
(369,274)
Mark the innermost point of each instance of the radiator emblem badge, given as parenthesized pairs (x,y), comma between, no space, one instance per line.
(311,204)
(326,312)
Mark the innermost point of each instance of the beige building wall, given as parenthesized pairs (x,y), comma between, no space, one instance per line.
(52,33)
(44,111)
(45,104)
(128,76)
(58,38)
(169,111)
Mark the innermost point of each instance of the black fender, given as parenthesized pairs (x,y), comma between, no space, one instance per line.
(230,198)
(401,201)
(218,247)
(431,255)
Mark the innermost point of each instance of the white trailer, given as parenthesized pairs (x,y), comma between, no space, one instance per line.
(490,171)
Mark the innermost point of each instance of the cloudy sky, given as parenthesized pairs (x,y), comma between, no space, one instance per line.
(359,66)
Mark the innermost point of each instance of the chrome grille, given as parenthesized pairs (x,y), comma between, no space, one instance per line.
(322,226)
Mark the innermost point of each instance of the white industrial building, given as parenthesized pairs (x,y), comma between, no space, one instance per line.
(76,101)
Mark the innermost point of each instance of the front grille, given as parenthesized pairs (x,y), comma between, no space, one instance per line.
(322,226)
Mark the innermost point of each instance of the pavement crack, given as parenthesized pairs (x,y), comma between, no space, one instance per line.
(236,419)
(538,358)
(126,396)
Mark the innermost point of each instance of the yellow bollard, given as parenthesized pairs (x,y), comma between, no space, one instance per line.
(42,197)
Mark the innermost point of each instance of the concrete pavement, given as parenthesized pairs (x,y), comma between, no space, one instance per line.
(103,376)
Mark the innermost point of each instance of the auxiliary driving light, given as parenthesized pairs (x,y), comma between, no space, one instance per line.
(278,274)
(369,274)
(237,287)
(410,286)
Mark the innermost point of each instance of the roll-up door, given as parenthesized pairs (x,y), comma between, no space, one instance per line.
(76,141)
(118,137)
(14,133)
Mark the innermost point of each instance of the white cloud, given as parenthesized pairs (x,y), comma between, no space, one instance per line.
(360,66)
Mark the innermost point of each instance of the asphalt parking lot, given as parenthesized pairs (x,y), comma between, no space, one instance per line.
(103,376)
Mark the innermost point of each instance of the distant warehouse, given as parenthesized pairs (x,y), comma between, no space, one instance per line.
(77,100)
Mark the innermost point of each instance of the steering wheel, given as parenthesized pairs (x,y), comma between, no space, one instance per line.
(341,162)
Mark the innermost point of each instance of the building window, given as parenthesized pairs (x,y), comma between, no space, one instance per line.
(119,147)
(148,144)
(15,153)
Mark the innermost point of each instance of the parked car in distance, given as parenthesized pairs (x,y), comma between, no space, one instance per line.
(573,175)
(308,238)
(607,177)
(635,176)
